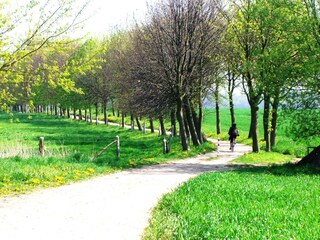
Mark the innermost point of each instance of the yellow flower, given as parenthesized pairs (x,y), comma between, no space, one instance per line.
(91,170)
(77,172)
(34,181)
(59,179)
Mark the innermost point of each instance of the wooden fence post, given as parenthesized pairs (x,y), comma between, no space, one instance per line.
(165,146)
(118,146)
(144,127)
(41,146)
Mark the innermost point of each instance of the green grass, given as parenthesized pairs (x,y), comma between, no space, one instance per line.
(278,202)
(264,158)
(284,144)
(70,150)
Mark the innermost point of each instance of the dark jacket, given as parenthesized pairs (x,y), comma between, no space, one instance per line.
(233,132)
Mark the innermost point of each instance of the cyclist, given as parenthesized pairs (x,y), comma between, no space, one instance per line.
(233,134)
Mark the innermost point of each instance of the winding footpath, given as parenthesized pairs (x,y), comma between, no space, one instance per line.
(108,207)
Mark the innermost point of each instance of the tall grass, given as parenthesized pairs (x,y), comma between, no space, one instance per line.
(279,202)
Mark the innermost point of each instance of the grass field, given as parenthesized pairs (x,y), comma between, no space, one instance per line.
(70,150)
(285,144)
(278,202)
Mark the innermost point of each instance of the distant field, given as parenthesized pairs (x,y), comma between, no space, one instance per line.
(285,144)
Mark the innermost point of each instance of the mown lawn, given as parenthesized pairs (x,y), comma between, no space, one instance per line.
(71,147)
(278,202)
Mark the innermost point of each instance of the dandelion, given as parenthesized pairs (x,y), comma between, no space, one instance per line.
(59,179)
(77,172)
(34,181)
(90,170)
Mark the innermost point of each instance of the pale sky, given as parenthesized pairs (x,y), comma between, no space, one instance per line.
(113,13)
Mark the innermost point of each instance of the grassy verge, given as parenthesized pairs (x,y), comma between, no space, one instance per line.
(264,158)
(278,202)
(70,150)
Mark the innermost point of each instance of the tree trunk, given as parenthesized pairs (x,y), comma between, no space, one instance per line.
(182,130)
(250,135)
(122,119)
(105,113)
(132,121)
(216,94)
(255,130)
(200,120)
(56,110)
(162,127)
(74,114)
(231,106)
(266,121)
(68,112)
(86,114)
(80,114)
(275,107)
(97,113)
(151,125)
(90,113)
(112,106)
(138,124)
(173,123)
(218,128)
(187,128)
(192,129)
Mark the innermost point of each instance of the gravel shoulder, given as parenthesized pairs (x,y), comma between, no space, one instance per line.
(114,206)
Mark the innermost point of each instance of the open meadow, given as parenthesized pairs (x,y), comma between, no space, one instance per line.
(71,147)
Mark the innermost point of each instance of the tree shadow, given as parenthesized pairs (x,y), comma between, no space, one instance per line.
(288,169)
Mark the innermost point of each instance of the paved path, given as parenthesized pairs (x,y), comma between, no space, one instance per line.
(111,207)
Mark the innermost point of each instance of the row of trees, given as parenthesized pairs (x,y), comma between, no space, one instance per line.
(183,51)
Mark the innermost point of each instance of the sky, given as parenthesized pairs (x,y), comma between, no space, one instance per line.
(108,14)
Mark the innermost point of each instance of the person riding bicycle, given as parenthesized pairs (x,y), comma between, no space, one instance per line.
(233,134)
